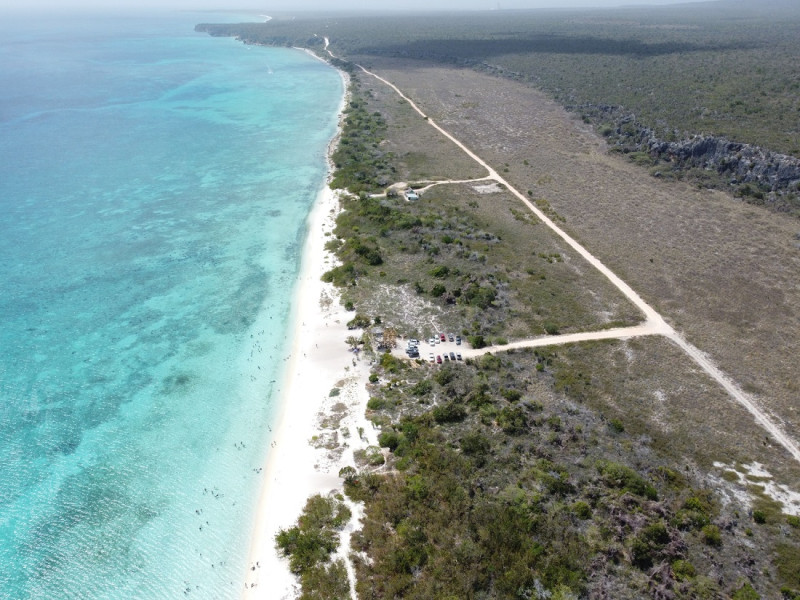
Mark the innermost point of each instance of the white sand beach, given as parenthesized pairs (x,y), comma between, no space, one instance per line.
(297,467)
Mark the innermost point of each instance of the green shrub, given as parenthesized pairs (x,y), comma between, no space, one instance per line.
(787,562)
(375,403)
(348,474)
(647,545)
(712,535)
(342,275)
(701,502)
(616,426)
(359,322)
(513,420)
(476,341)
(421,388)
(643,159)
(389,439)
(391,363)
(557,483)
(746,592)
(605,129)
(550,328)
(370,254)
(696,511)
(490,362)
(438,290)
(451,412)
(582,510)
(480,296)
(683,570)
(444,376)
(326,582)
(475,444)
(690,519)
(374,456)
(314,538)
(622,477)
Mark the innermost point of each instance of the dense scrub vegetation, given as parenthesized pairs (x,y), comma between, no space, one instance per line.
(360,165)
(502,488)
(723,69)
(310,545)
(496,283)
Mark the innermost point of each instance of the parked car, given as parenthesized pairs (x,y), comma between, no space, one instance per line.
(445,357)
(458,355)
(431,357)
(452,356)
(438,359)
(432,341)
(442,337)
(458,340)
(450,336)
(413,342)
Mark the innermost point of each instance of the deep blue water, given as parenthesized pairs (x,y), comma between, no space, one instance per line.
(154,185)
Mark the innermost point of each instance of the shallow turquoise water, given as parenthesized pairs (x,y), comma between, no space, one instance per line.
(154,185)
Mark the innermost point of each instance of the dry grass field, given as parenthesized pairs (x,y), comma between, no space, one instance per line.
(421,153)
(723,273)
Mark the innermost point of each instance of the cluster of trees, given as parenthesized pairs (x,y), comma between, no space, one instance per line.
(361,165)
(310,544)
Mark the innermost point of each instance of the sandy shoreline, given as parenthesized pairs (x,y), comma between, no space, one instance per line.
(319,360)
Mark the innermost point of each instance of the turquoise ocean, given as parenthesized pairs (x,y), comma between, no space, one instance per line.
(154,188)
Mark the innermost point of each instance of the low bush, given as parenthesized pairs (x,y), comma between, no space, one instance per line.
(476,341)
(451,412)
(712,535)
(625,478)
(311,542)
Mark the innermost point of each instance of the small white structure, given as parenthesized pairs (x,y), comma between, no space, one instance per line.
(411,195)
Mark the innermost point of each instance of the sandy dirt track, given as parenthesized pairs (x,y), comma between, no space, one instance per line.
(654,323)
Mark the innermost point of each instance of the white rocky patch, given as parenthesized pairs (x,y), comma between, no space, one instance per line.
(777,491)
(489,188)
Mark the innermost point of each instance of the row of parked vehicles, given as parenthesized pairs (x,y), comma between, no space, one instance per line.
(444,338)
(452,356)
(413,348)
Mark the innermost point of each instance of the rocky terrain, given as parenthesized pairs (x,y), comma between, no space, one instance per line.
(758,175)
